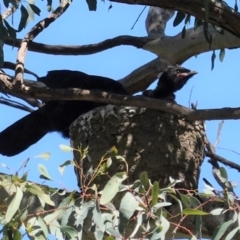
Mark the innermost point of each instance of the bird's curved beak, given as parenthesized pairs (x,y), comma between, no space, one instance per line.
(186,74)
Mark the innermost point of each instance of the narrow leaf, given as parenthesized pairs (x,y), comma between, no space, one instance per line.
(36,190)
(183,32)
(128,206)
(44,172)
(144,180)
(45,155)
(232,233)
(92,5)
(213,60)
(65,148)
(35,9)
(112,187)
(14,205)
(155,192)
(24,18)
(179,18)
(189,211)
(70,232)
(220,231)
(197,23)
(217,211)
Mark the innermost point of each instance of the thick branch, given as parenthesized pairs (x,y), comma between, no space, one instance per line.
(223,160)
(193,44)
(219,13)
(137,101)
(137,42)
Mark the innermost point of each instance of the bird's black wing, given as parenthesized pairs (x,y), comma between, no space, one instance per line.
(55,115)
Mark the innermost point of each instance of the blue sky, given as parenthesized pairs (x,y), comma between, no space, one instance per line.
(212,89)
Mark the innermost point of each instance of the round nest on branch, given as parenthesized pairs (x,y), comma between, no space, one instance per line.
(151,141)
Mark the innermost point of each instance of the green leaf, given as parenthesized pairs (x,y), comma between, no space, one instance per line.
(61,168)
(97,217)
(155,192)
(36,190)
(6,3)
(43,226)
(17,235)
(70,232)
(44,172)
(197,23)
(217,211)
(236,6)
(24,18)
(49,5)
(45,156)
(112,187)
(187,19)
(30,11)
(206,33)
(183,32)
(206,8)
(223,173)
(185,200)
(221,230)
(144,180)
(65,148)
(55,229)
(92,5)
(14,205)
(179,18)
(232,233)
(161,205)
(189,211)
(127,207)
(35,9)
(213,59)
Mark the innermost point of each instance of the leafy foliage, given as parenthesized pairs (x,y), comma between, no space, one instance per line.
(139,210)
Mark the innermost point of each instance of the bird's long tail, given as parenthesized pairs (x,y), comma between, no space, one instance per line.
(23,133)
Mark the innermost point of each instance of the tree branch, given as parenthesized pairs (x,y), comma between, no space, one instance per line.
(194,43)
(31,35)
(222,160)
(220,13)
(115,99)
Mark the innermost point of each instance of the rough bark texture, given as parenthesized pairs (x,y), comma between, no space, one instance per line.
(156,142)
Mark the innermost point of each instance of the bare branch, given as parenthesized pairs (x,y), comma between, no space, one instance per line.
(193,44)
(64,4)
(115,99)
(138,42)
(223,160)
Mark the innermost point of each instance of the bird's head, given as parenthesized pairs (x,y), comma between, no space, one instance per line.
(174,77)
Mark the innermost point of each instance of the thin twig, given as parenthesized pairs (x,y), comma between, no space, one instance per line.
(138,17)
(15,104)
(218,134)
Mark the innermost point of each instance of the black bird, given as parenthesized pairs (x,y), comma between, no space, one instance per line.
(57,116)
(171,80)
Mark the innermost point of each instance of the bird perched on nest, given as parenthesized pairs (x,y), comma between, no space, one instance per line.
(170,81)
(57,116)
